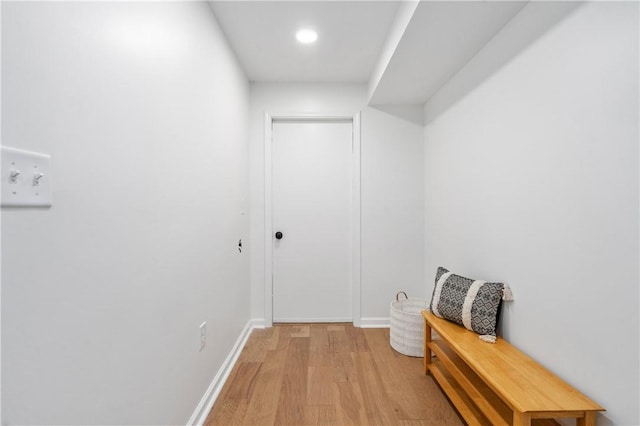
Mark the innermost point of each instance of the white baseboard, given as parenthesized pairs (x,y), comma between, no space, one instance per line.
(206,403)
(259,323)
(375,322)
(311,320)
(370,322)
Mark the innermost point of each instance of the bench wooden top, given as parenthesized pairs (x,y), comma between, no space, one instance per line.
(521,382)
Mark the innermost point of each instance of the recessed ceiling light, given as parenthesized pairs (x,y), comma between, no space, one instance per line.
(306,36)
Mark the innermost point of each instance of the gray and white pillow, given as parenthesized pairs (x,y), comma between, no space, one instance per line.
(474,304)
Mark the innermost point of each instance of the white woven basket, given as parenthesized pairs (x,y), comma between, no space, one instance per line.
(407,325)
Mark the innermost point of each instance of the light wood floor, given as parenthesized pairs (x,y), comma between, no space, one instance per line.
(327,374)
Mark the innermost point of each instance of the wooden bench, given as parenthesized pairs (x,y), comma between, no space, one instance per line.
(496,384)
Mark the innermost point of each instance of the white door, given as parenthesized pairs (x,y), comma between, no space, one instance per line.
(311,193)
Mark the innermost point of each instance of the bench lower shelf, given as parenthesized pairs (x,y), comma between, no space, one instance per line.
(474,400)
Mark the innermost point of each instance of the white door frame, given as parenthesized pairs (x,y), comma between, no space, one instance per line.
(354,273)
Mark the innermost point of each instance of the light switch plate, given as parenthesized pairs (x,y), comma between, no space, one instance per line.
(26,178)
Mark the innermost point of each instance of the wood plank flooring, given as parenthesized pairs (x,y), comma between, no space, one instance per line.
(328,374)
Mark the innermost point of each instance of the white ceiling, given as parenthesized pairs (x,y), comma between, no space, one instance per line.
(407,59)
(350,37)
(440,38)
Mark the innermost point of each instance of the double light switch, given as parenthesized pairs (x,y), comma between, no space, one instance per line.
(26,178)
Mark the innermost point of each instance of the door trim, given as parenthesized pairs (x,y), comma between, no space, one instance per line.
(355,269)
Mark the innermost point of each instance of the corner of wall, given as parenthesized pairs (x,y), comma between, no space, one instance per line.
(398,27)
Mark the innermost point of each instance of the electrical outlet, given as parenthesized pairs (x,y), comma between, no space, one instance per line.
(203,335)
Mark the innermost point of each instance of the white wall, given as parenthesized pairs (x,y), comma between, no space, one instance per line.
(0,224)
(532,179)
(391,184)
(144,111)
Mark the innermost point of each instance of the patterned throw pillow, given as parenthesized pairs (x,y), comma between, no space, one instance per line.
(474,304)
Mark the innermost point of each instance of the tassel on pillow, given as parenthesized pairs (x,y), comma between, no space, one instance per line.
(506,293)
(487,338)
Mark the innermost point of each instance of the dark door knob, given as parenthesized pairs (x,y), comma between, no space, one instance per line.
(279,235)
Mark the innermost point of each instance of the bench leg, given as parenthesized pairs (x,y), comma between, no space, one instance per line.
(589,419)
(427,350)
(521,419)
